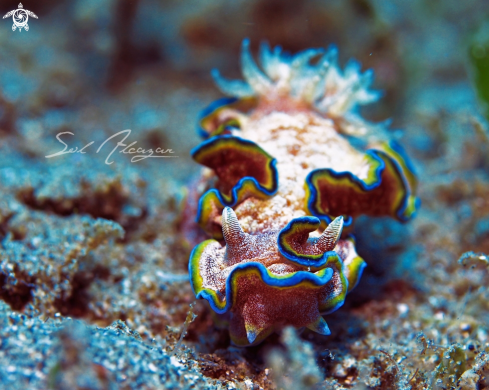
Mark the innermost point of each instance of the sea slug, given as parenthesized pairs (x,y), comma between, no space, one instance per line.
(283,185)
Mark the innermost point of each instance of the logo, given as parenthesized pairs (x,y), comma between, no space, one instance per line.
(20,16)
(138,154)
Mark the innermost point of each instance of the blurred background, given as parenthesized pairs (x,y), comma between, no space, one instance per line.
(101,66)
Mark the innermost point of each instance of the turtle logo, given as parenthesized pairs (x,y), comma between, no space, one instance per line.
(20,17)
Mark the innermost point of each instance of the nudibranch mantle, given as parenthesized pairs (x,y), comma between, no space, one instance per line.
(278,152)
(263,289)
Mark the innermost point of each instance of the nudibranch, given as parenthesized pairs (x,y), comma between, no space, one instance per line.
(282,186)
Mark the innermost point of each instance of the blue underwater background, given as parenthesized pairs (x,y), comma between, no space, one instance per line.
(94,290)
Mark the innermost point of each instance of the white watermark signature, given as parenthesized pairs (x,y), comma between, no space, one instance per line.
(20,16)
(138,153)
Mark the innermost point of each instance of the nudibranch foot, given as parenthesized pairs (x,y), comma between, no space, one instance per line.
(319,326)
